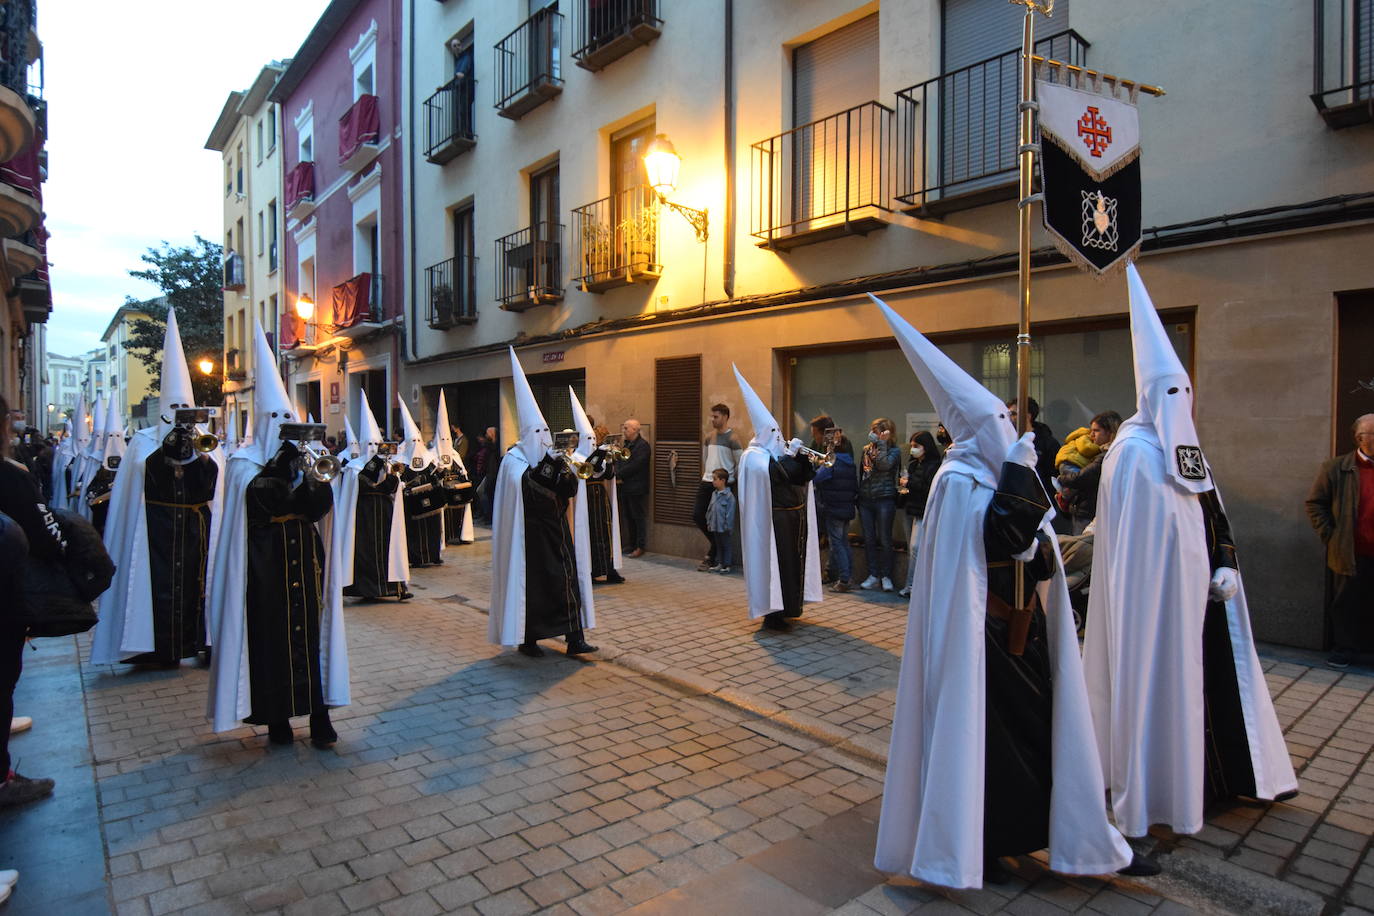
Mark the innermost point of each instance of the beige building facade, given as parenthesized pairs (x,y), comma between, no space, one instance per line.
(129,382)
(843,147)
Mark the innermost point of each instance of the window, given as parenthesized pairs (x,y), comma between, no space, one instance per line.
(364,58)
(544,195)
(238,171)
(228,177)
(272,235)
(271,128)
(364,82)
(307,140)
(238,236)
(260,143)
(261,234)
(677,408)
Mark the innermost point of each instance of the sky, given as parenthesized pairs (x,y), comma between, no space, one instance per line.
(133,90)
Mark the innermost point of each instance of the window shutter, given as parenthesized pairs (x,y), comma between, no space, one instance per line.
(835,72)
(677,429)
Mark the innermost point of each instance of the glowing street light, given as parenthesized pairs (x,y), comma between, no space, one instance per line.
(661,165)
(305,307)
(207,366)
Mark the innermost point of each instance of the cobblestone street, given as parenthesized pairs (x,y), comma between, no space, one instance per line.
(692,766)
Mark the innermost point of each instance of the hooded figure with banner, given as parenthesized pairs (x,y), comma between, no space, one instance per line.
(374,549)
(540,586)
(275,599)
(424,498)
(454,481)
(161,534)
(992,743)
(1180,705)
(777,511)
(602,506)
(98,488)
(62,460)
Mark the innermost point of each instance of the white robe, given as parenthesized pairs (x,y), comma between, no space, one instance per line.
(762,583)
(931,826)
(230,699)
(346,490)
(1143,647)
(126,608)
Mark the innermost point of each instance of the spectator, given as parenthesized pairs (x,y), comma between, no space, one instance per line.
(923,460)
(720,449)
(1046,446)
(1341,509)
(882,465)
(1080,468)
(460,442)
(837,490)
(720,519)
(634,487)
(492,469)
(819,427)
(481,458)
(943,438)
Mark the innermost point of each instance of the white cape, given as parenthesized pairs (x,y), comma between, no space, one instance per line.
(126,608)
(931,826)
(346,490)
(761,579)
(1143,647)
(230,700)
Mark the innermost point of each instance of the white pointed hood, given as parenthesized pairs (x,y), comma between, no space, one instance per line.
(535,439)
(1164,393)
(271,405)
(66,446)
(81,432)
(351,448)
(413,452)
(586,437)
(444,452)
(371,441)
(767,430)
(176,376)
(114,435)
(975,417)
(95,445)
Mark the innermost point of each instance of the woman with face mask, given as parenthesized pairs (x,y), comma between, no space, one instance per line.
(923,460)
(879,470)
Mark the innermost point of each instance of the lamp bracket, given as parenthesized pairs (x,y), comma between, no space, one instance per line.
(698,218)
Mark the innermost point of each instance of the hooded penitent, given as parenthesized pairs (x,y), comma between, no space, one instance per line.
(230,700)
(1165,719)
(506,624)
(762,578)
(586,439)
(346,494)
(412,452)
(932,821)
(447,456)
(586,444)
(61,461)
(127,621)
(351,447)
(87,461)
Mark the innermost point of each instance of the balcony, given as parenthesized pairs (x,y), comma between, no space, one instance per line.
(234,368)
(20,209)
(607,30)
(528,69)
(300,191)
(452,290)
(17,124)
(272,262)
(358,305)
(617,240)
(22,257)
(1343,61)
(233,271)
(448,121)
(359,131)
(529,267)
(957,131)
(824,180)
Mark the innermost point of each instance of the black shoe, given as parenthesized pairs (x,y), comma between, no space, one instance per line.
(1140,867)
(614,578)
(280,733)
(322,734)
(20,790)
(531,649)
(405,596)
(776,621)
(1340,660)
(580,647)
(994,872)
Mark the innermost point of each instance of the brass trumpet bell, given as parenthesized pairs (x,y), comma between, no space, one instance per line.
(819,459)
(205,443)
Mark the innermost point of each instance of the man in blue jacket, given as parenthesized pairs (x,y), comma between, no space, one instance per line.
(837,490)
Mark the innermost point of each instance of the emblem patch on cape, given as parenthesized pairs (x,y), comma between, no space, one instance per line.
(1099,221)
(1190,463)
(417,463)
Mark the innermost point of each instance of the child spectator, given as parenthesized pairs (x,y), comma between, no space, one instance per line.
(720,520)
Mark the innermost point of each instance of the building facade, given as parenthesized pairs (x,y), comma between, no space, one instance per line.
(838,148)
(247,134)
(127,379)
(342,249)
(65,377)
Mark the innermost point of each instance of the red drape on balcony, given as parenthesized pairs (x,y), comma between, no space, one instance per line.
(300,183)
(292,330)
(359,125)
(352,301)
(22,171)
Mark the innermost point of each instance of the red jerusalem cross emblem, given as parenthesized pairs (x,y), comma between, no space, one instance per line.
(1095,132)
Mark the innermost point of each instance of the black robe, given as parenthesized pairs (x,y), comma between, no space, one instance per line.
(284,591)
(425,502)
(553,597)
(176,504)
(599,517)
(788,477)
(98,497)
(1019,708)
(372,533)
(458,491)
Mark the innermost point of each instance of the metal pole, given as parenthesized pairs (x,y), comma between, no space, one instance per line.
(1023,216)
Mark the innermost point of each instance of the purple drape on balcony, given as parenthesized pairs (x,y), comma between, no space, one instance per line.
(292,330)
(352,301)
(359,125)
(22,171)
(300,183)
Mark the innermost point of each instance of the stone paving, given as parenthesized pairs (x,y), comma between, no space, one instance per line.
(696,767)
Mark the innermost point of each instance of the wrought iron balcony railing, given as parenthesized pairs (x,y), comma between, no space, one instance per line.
(448,120)
(233,271)
(452,289)
(16,19)
(957,131)
(825,179)
(1343,61)
(234,368)
(607,30)
(359,130)
(616,240)
(529,267)
(528,65)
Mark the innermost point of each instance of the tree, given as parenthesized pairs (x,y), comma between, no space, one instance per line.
(189,277)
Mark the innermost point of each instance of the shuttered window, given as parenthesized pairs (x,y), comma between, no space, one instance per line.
(677,445)
(835,72)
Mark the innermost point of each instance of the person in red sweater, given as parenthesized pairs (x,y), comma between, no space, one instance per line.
(1341,509)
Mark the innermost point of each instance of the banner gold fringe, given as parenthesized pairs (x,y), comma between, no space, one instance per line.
(1098,176)
(1083,264)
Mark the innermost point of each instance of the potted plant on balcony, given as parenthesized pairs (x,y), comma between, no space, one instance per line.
(596,247)
(441,300)
(639,230)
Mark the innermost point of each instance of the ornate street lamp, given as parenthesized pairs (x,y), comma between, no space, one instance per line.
(661,164)
(305,307)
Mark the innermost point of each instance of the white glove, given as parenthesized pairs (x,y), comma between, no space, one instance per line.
(1224,585)
(555,454)
(794,446)
(1022,451)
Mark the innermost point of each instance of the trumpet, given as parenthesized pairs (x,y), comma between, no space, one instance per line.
(320,465)
(566,443)
(614,447)
(819,459)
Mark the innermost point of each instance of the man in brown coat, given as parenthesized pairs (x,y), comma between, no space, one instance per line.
(1341,508)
